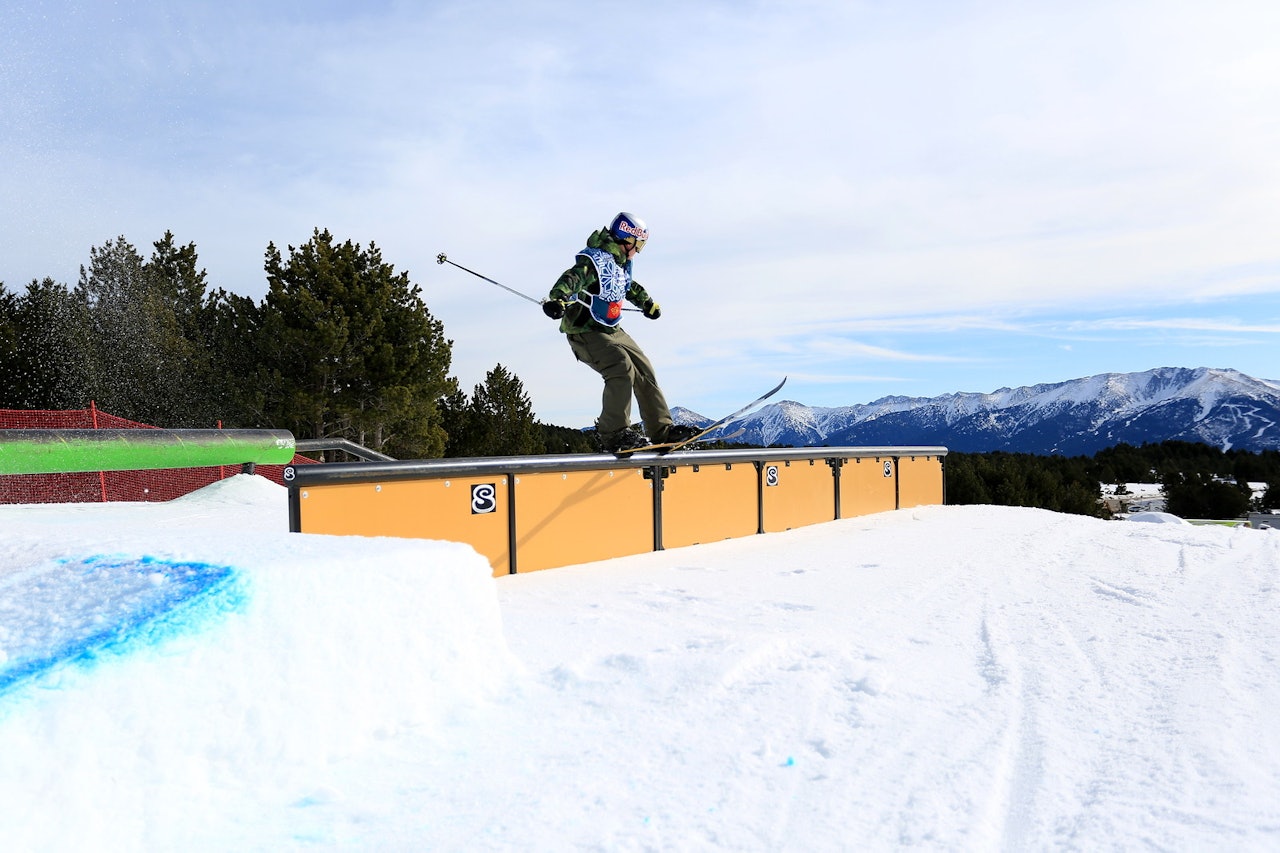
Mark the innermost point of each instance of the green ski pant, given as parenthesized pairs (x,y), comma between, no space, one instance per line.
(626,370)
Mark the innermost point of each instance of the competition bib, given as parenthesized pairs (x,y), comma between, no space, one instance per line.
(606,306)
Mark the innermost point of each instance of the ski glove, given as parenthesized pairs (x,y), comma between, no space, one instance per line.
(553,309)
(652,310)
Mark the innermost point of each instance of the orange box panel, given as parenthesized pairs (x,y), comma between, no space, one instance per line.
(919,481)
(868,485)
(802,492)
(472,511)
(581,516)
(707,503)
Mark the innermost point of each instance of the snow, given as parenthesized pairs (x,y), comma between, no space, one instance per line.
(1157,518)
(944,677)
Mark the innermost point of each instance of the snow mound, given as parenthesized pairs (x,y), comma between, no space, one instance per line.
(1157,518)
(333,648)
(104,606)
(239,489)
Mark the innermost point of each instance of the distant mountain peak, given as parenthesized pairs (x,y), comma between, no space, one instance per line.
(1221,407)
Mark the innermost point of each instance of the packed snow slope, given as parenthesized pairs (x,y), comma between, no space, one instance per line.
(969,678)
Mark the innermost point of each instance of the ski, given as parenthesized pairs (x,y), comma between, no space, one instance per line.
(693,443)
(667,447)
(730,436)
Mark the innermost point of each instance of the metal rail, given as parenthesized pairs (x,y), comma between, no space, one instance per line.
(315,445)
(366,472)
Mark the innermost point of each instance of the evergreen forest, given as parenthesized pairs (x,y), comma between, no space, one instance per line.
(1198,481)
(343,346)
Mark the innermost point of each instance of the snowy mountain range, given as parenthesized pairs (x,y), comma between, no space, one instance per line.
(1220,407)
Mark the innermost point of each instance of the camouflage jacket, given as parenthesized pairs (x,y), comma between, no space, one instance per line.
(582,278)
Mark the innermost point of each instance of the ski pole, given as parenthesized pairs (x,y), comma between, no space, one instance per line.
(443,259)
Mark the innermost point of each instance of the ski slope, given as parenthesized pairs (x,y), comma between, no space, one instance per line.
(944,678)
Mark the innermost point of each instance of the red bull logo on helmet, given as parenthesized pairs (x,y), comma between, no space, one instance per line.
(634,230)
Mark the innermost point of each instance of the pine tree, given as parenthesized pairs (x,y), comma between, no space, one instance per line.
(349,350)
(1199,495)
(178,283)
(1271,497)
(964,486)
(48,365)
(176,293)
(142,365)
(502,420)
(455,420)
(11,366)
(231,330)
(558,439)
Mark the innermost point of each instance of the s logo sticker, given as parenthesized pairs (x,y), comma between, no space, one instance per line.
(484,498)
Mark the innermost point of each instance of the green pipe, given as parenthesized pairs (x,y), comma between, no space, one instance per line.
(61,451)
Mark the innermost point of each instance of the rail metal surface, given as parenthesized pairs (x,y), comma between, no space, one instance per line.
(367,472)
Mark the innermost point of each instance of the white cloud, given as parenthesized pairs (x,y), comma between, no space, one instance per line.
(839,180)
(1179,324)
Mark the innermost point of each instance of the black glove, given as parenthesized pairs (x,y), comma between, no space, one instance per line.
(553,309)
(652,310)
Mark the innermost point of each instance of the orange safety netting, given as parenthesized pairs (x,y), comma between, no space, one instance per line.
(155,485)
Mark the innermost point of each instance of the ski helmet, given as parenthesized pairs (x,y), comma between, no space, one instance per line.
(628,226)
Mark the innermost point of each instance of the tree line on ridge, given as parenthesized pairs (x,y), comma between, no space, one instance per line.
(343,346)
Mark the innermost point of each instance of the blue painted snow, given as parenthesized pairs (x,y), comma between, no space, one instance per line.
(79,611)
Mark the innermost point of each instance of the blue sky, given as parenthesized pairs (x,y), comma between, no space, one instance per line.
(874,198)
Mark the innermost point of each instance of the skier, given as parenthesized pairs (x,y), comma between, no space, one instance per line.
(587,300)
